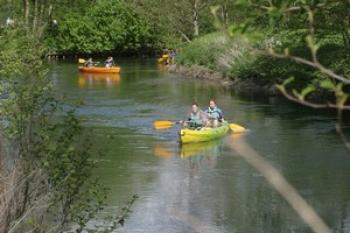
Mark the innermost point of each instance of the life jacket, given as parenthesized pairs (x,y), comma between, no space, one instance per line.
(214,113)
(109,62)
(195,119)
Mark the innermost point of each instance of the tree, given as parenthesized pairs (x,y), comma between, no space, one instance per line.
(106,26)
(322,24)
(185,19)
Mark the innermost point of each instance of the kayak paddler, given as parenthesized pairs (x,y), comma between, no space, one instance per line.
(109,62)
(196,118)
(89,63)
(214,114)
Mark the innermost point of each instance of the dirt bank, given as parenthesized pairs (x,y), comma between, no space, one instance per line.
(247,86)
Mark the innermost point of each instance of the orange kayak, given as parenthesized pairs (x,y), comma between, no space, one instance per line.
(100,70)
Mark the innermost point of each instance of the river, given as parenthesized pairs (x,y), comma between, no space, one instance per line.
(205,187)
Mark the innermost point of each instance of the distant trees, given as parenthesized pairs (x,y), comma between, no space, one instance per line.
(104,26)
(185,19)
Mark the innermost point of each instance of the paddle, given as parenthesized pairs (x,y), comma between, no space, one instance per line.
(164,124)
(235,128)
(83,61)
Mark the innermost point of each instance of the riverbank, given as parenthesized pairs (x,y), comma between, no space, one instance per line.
(244,87)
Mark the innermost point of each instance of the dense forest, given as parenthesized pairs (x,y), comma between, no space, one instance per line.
(303,46)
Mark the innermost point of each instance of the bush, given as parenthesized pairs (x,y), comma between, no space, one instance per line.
(231,56)
(204,51)
(108,26)
(47,164)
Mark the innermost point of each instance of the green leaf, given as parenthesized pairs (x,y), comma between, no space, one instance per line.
(341,101)
(281,88)
(297,94)
(339,89)
(307,90)
(327,84)
(288,81)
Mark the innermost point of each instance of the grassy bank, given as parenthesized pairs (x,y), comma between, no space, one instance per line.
(233,58)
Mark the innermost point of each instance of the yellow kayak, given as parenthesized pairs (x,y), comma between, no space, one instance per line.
(163,59)
(203,134)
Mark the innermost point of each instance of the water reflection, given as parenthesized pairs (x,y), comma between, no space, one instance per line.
(162,67)
(202,154)
(162,151)
(190,151)
(90,80)
(200,149)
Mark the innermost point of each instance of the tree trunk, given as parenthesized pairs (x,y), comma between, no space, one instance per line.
(184,36)
(35,19)
(224,12)
(50,12)
(345,32)
(43,18)
(195,18)
(26,11)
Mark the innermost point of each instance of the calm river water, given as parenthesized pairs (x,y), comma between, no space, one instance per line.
(205,187)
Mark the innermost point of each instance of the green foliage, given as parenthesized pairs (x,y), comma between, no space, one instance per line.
(315,33)
(217,52)
(55,158)
(241,63)
(23,80)
(267,70)
(107,26)
(65,154)
(204,51)
(174,21)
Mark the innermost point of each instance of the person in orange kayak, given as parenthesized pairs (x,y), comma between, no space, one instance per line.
(196,118)
(89,63)
(214,114)
(109,62)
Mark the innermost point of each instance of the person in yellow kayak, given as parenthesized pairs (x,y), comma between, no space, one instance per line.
(196,118)
(172,56)
(214,114)
(109,62)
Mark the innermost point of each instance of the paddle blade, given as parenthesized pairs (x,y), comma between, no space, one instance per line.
(163,124)
(235,128)
(81,60)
